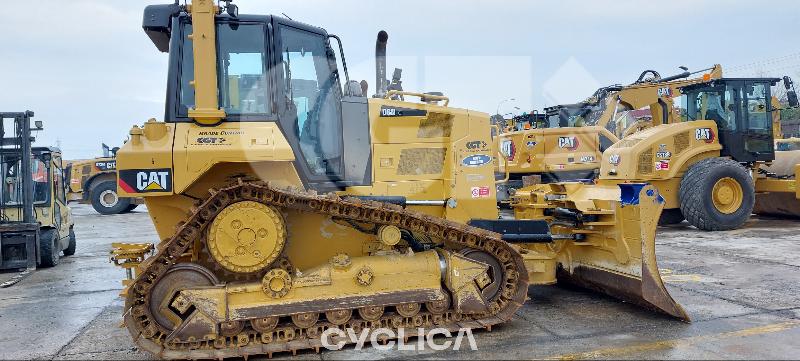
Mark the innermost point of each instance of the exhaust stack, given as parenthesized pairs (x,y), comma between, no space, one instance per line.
(380,64)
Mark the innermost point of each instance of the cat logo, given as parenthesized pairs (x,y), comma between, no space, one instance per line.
(704,134)
(570,143)
(664,92)
(151,181)
(145,180)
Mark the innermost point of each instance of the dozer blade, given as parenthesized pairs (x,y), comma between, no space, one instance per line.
(620,259)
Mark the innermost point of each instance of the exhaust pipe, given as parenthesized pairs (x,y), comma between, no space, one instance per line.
(380,64)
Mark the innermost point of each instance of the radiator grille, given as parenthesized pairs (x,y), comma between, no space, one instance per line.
(646,162)
(416,161)
(435,125)
(681,142)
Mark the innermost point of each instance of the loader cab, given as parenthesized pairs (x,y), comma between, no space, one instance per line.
(742,109)
(272,69)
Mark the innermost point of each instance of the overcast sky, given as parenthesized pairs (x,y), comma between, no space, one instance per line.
(89,72)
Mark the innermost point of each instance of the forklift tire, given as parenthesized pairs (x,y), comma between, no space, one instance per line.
(48,245)
(105,199)
(717,194)
(72,243)
(671,216)
(130,208)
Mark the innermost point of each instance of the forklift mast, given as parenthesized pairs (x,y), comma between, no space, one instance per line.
(18,232)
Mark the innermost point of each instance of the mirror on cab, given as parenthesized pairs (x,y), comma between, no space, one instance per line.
(791,95)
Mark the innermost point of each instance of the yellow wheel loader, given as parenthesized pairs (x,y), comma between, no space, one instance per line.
(94,181)
(287,204)
(567,141)
(712,167)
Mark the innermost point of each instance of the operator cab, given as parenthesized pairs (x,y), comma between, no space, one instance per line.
(743,111)
(272,69)
(567,115)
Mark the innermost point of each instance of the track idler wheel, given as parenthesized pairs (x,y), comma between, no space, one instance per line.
(490,288)
(179,277)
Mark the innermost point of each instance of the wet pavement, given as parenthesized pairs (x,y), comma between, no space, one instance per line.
(740,287)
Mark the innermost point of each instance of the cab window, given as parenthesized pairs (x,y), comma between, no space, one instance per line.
(242,68)
(717,104)
(759,118)
(757,107)
(312,86)
(58,181)
(12,191)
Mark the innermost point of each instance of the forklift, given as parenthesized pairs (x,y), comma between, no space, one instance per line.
(36,224)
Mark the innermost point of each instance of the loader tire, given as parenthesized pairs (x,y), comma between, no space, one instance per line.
(717,194)
(48,246)
(105,199)
(130,208)
(671,216)
(72,243)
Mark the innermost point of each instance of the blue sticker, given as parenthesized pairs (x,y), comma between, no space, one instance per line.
(476,160)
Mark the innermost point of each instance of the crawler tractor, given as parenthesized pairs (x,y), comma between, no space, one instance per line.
(287,204)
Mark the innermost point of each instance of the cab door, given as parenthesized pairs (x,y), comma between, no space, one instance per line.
(758,139)
(311,108)
(62,217)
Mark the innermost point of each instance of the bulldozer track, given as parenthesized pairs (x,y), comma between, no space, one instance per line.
(243,340)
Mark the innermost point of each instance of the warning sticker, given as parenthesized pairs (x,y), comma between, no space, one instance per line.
(480,192)
(662,165)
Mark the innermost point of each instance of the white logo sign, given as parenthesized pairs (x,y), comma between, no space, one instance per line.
(703,134)
(152,180)
(335,339)
(567,142)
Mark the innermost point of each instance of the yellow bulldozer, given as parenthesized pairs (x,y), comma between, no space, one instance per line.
(567,141)
(288,203)
(712,167)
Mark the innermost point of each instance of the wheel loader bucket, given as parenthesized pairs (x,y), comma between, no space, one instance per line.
(622,259)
